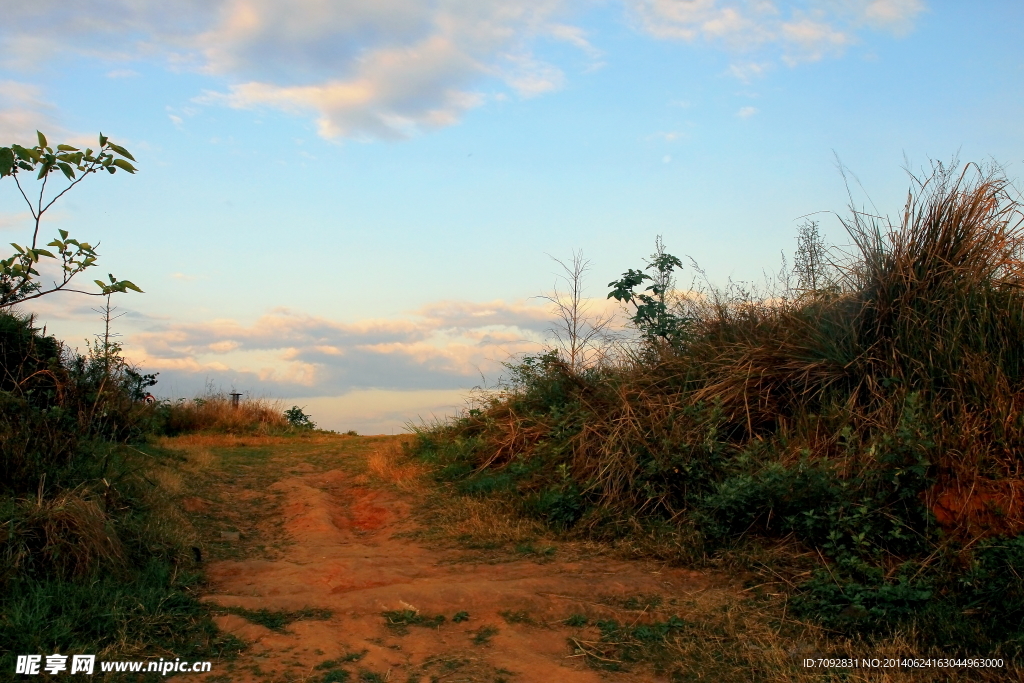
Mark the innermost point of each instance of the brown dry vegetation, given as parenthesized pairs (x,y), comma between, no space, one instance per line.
(215,413)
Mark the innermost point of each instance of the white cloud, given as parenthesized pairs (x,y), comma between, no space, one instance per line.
(747,71)
(361,68)
(798,31)
(394,68)
(442,346)
(896,16)
(746,112)
(23,112)
(15,221)
(122,73)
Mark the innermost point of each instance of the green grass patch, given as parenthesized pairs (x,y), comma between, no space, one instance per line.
(156,611)
(517,617)
(483,635)
(277,620)
(400,620)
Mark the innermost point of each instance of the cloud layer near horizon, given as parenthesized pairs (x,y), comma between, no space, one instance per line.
(447,345)
(389,69)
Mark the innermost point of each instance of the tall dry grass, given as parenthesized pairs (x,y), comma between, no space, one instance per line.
(215,413)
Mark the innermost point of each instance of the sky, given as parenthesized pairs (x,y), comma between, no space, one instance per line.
(355,206)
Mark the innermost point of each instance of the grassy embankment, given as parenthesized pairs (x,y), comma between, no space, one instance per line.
(855,443)
(96,556)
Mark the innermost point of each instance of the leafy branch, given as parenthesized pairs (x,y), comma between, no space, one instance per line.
(19,277)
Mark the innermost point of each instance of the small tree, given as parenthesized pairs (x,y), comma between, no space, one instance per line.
(577,329)
(19,278)
(813,268)
(653,315)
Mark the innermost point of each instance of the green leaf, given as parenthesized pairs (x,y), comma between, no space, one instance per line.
(66,148)
(121,163)
(63,233)
(100,283)
(42,252)
(122,151)
(42,139)
(6,161)
(130,285)
(103,140)
(67,170)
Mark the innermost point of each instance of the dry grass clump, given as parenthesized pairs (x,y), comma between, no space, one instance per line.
(389,461)
(68,535)
(215,413)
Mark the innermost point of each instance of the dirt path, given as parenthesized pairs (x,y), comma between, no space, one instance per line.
(318,535)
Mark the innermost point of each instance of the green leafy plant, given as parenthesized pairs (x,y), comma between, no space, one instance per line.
(298,419)
(19,276)
(652,314)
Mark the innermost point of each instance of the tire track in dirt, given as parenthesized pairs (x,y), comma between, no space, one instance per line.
(349,552)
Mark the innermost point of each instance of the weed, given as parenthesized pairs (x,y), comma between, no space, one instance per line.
(276,620)
(400,620)
(336,676)
(460,617)
(517,617)
(335,663)
(483,635)
(641,602)
(576,620)
(530,549)
(621,644)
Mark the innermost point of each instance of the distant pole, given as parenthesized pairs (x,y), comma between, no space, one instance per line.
(234,399)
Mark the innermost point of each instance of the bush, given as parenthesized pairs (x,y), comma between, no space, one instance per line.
(298,419)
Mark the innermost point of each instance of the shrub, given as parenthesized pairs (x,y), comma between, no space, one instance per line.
(298,419)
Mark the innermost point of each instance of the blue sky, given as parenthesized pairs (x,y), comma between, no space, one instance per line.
(351,205)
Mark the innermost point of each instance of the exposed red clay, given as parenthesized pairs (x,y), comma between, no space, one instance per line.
(345,557)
